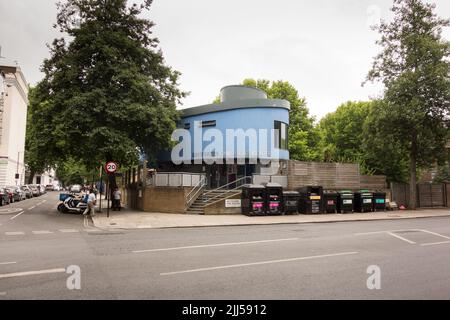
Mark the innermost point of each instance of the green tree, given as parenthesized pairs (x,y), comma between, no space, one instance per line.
(342,132)
(304,137)
(414,66)
(443,174)
(40,141)
(109,93)
(383,153)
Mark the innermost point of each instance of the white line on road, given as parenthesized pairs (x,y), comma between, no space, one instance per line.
(15,233)
(433,243)
(399,237)
(215,245)
(68,230)
(8,262)
(258,263)
(31,208)
(30,273)
(2,293)
(436,234)
(12,218)
(42,232)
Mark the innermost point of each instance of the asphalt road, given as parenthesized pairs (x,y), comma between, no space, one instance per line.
(304,261)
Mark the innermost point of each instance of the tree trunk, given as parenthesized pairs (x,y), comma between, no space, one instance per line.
(412,172)
(31,177)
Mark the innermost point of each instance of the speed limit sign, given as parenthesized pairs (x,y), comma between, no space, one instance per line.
(111,167)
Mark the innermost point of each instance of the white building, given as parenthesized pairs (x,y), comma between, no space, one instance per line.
(13,118)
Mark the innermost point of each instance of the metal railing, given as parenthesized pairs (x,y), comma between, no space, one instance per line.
(212,194)
(194,193)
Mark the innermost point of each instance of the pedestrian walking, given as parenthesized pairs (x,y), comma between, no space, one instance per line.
(90,204)
(117,195)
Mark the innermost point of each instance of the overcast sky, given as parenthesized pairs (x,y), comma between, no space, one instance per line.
(323,47)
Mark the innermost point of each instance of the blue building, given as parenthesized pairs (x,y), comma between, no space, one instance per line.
(240,136)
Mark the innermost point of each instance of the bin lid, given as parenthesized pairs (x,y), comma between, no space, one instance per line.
(253,186)
(346,191)
(291,193)
(272,185)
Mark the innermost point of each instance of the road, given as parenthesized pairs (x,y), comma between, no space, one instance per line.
(303,261)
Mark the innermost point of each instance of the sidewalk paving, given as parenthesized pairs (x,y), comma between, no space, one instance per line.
(133,219)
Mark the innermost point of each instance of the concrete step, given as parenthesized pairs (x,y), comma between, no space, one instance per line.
(189,211)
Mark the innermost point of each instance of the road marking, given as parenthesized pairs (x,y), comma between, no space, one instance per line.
(6,211)
(42,232)
(258,263)
(399,237)
(12,218)
(433,243)
(14,233)
(30,273)
(68,230)
(436,234)
(215,245)
(8,262)
(31,208)
(2,293)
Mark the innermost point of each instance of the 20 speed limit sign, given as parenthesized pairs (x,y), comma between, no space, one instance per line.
(111,167)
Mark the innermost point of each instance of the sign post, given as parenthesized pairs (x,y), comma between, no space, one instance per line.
(110,168)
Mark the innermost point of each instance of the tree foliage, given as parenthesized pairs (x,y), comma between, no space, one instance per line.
(108,92)
(414,66)
(40,140)
(304,137)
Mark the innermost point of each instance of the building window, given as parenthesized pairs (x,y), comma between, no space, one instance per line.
(208,123)
(281,135)
(187,125)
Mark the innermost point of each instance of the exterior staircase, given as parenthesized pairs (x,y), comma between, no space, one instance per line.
(205,197)
(208,197)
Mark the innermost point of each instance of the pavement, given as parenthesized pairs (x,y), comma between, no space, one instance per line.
(134,219)
(48,255)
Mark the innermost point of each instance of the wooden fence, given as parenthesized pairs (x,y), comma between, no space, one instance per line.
(331,176)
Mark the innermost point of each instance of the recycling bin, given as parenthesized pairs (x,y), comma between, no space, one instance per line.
(253,200)
(345,201)
(363,201)
(290,199)
(310,200)
(330,201)
(379,201)
(274,198)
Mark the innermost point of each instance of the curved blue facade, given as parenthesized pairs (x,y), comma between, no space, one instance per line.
(258,120)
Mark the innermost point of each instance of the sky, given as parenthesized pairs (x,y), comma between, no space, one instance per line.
(324,48)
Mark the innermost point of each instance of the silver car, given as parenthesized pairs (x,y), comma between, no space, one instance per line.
(27,191)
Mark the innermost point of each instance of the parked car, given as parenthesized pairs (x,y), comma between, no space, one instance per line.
(27,191)
(56,188)
(35,190)
(49,187)
(22,194)
(4,197)
(14,193)
(76,188)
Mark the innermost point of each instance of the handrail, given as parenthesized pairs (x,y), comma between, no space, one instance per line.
(197,188)
(229,183)
(226,191)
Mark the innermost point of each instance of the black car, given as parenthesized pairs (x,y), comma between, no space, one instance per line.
(4,197)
